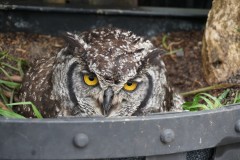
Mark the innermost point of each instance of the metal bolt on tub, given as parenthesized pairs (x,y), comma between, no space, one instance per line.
(237,126)
(167,136)
(80,140)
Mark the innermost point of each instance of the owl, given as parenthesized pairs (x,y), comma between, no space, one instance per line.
(102,72)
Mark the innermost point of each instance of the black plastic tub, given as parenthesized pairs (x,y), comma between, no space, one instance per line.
(145,21)
(210,135)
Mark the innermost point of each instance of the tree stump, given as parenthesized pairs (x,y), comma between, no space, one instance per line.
(221,41)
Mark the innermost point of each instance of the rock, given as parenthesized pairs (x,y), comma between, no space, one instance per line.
(221,41)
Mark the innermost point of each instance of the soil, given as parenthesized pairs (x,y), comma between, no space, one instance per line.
(184,67)
(30,46)
(184,70)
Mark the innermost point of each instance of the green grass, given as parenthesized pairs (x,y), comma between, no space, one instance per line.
(10,114)
(11,66)
(237,98)
(34,108)
(205,101)
(164,42)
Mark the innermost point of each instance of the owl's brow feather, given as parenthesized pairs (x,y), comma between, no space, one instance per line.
(137,79)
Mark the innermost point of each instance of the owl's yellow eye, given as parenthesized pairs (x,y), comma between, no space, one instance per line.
(130,86)
(90,80)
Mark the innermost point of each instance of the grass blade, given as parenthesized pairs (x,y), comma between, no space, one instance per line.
(9,66)
(209,88)
(217,103)
(35,110)
(9,84)
(20,64)
(196,99)
(10,57)
(12,97)
(199,107)
(5,73)
(10,114)
(237,98)
(3,54)
(209,103)
(164,43)
(223,95)
(4,98)
(186,105)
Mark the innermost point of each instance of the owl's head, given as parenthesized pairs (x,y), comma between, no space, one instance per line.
(110,72)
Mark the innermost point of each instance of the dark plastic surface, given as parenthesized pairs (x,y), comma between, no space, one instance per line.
(118,137)
(228,152)
(146,21)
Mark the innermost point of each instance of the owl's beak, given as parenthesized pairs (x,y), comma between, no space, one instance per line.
(107,100)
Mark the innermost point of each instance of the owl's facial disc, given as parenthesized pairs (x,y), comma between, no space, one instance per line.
(116,58)
(110,97)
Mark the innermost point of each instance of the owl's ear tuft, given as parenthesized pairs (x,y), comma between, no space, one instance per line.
(155,57)
(75,40)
